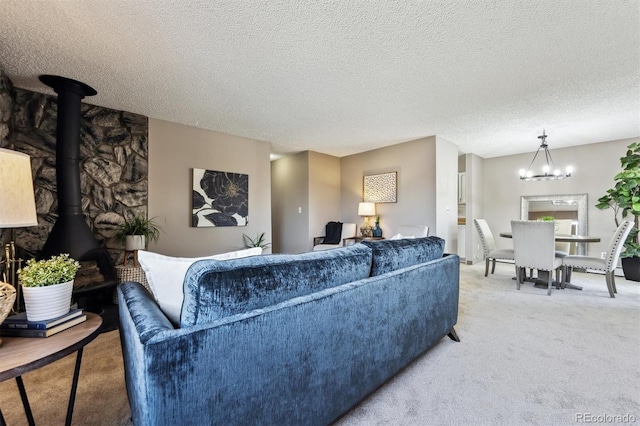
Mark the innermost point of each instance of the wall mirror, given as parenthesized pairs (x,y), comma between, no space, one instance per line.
(567,206)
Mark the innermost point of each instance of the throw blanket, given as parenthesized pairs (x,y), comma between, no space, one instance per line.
(333,233)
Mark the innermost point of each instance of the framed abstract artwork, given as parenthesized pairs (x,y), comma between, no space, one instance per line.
(381,188)
(219,199)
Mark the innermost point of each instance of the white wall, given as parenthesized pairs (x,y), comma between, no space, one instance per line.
(446,166)
(474,207)
(595,166)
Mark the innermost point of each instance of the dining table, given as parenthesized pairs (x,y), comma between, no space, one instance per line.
(562,238)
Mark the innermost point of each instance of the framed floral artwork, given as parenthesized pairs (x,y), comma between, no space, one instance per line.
(219,199)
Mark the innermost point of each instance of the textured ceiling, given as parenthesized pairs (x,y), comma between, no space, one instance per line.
(342,76)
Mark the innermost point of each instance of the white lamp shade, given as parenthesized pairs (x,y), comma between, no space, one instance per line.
(366,209)
(17,202)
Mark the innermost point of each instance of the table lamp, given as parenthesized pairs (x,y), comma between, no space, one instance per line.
(366,209)
(17,207)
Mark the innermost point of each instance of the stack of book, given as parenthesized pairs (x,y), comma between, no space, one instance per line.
(18,326)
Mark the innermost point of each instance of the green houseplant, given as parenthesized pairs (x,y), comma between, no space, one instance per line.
(137,231)
(624,199)
(47,286)
(259,241)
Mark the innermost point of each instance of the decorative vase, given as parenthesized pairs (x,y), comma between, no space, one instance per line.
(377,231)
(134,242)
(43,303)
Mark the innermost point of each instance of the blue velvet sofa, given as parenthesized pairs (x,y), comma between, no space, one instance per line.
(286,339)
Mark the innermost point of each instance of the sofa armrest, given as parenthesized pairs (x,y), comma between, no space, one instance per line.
(148,319)
(318,240)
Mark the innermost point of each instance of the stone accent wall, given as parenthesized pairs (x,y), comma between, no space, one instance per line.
(113,166)
(6,107)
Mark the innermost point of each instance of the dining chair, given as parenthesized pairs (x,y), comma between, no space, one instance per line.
(534,247)
(491,254)
(609,263)
(563,226)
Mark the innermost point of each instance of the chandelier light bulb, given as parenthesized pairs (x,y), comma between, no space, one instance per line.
(529,174)
(523,172)
(556,172)
(569,170)
(545,169)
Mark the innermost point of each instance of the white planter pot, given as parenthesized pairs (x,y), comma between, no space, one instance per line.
(134,242)
(47,302)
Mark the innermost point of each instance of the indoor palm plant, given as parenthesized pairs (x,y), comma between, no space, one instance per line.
(624,198)
(259,241)
(136,232)
(47,286)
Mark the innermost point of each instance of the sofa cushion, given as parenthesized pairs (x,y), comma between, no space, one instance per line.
(389,255)
(165,275)
(215,289)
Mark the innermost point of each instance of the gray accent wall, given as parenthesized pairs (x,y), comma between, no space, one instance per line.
(305,196)
(324,193)
(595,166)
(426,186)
(174,150)
(290,191)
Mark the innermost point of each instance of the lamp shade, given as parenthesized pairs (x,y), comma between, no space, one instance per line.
(17,202)
(366,209)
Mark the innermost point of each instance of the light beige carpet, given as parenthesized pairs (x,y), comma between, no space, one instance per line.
(524,358)
(101,397)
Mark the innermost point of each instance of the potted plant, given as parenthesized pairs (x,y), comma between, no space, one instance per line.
(259,241)
(624,198)
(47,286)
(136,232)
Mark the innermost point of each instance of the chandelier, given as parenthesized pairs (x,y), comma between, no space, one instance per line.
(548,170)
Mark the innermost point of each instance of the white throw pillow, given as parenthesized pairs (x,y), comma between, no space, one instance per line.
(165,275)
(400,236)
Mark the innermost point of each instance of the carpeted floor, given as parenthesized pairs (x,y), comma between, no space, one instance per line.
(525,358)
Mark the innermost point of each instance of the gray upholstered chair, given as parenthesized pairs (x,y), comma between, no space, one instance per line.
(348,231)
(491,254)
(563,226)
(534,248)
(609,263)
